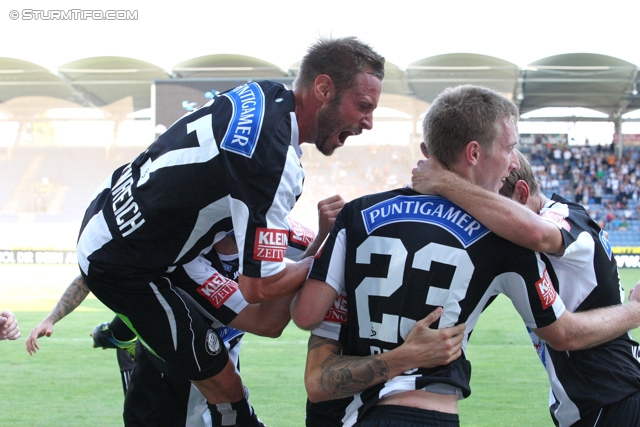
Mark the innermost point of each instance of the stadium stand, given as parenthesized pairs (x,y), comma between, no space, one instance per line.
(595,177)
(56,183)
(63,131)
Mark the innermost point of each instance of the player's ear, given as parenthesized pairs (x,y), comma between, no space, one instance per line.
(522,192)
(324,88)
(423,148)
(472,152)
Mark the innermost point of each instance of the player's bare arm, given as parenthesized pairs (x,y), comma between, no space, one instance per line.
(503,216)
(285,283)
(330,375)
(69,301)
(586,329)
(310,305)
(266,319)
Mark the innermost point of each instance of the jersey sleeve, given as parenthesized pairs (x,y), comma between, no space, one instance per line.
(560,215)
(263,172)
(300,237)
(335,319)
(329,266)
(579,239)
(535,298)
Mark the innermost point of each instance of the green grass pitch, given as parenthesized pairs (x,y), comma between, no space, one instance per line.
(69,383)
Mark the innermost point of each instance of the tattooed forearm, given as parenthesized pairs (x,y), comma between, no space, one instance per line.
(316,341)
(343,376)
(72,297)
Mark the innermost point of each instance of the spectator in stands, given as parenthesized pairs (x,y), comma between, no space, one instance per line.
(578,192)
(557,155)
(598,192)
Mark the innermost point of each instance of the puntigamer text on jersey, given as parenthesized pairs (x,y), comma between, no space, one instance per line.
(248,113)
(430,209)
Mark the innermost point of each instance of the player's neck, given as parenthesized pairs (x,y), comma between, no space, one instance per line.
(537,202)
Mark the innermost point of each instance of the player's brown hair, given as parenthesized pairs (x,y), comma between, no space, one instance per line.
(342,59)
(463,114)
(525,173)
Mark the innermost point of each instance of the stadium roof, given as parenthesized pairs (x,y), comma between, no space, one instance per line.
(599,82)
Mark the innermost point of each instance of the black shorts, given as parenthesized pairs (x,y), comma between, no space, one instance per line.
(326,414)
(157,400)
(404,416)
(624,413)
(154,399)
(167,323)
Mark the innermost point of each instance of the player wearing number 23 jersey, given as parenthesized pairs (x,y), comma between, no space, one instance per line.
(398,255)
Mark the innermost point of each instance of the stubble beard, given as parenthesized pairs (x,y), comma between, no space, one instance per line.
(327,127)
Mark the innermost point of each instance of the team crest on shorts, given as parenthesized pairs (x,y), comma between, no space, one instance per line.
(212,344)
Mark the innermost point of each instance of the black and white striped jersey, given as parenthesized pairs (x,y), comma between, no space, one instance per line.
(587,273)
(232,164)
(398,255)
(214,278)
(210,280)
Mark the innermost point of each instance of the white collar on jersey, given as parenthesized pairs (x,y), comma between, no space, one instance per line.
(295,135)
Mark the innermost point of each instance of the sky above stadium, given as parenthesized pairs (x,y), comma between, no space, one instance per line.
(279,31)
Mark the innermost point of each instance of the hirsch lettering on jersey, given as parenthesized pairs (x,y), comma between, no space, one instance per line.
(546,291)
(338,312)
(246,121)
(217,289)
(270,244)
(128,215)
(300,234)
(428,209)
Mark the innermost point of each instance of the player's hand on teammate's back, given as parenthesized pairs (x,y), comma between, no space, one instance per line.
(434,347)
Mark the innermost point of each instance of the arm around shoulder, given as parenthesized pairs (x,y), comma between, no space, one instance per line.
(507,218)
(586,329)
